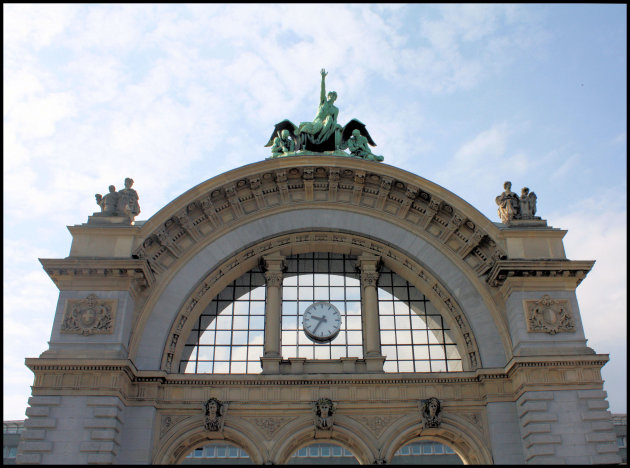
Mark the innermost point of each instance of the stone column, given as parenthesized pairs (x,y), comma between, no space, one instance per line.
(368,265)
(274,264)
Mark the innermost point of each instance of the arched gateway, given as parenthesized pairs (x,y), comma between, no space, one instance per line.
(428,322)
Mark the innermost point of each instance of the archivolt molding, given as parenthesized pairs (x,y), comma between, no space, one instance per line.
(467,438)
(346,432)
(188,433)
(225,202)
(339,242)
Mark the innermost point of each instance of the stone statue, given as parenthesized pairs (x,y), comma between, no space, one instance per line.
(123,203)
(282,144)
(512,208)
(509,205)
(323,134)
(128,202)
(109,202)
(358,146)
(527,204)
(431,412)
(214,412)
(324,414)
(325,123)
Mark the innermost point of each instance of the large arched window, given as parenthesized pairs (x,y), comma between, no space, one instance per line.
(228,337)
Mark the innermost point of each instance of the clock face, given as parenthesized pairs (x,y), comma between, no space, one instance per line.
(322,321)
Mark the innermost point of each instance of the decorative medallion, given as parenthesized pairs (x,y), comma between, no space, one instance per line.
(214,412)
(549,315)
(430,410)
(89,316)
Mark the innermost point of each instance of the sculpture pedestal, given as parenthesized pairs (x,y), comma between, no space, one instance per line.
(98,218)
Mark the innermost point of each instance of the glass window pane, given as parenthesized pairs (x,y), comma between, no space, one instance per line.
(207,338)
(221,367)
(289,293)
(355,337)
(239,337)
(405,366)
(353,323)
(403,336)
(337,294)
(238,367)
(353,293)
(355,351)
(387,322)
(257,322)
(254,353)
(223,337)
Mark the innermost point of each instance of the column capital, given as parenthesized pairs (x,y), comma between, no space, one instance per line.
(274,262)
(368,262)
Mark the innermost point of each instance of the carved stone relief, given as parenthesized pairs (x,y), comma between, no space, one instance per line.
(549,316)
(324,414)
(431,412)
(270,425)
(376,424)
(89,316)
(214,411)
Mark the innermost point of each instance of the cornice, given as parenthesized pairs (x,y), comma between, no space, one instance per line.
(219,205)
(538,269)
(84,273)
(44,365)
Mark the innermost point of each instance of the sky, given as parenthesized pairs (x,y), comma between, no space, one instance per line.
(467,96)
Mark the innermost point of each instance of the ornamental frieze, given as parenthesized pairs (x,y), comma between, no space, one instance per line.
(549,315)
(89,316)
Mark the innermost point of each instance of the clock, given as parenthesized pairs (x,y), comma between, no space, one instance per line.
(322,321)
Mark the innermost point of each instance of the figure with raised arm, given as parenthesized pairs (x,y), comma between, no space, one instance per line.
(324,124)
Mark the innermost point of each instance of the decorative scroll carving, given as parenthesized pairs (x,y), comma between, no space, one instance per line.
(324,414)
(214,412)
(170,421)
(431,412)
(270,425)
(89,316)
(377,424)
(549,316)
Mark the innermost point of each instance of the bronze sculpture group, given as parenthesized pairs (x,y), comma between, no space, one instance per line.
(323,134)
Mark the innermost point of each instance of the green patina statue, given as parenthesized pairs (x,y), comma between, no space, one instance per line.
(323,134)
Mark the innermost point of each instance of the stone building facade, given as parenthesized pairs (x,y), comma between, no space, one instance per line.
(511,379)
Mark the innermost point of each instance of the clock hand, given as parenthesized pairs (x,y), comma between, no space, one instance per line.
(320,320)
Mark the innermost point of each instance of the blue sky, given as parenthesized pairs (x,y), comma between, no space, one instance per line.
(467,96)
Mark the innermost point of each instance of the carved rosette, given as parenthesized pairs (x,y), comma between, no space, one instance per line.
(431,412)
(549,316)
(89,316)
